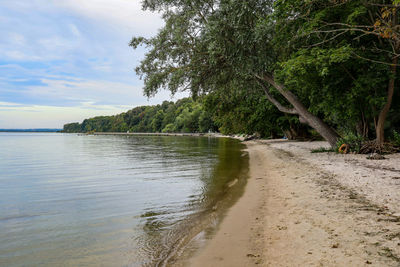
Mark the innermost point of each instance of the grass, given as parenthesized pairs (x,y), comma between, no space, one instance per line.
(322,150)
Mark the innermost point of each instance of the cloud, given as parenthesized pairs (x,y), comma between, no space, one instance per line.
(70,60)
(123,13)
(74,30)
(76,89)
(8,104)
(37,116)
(17,39)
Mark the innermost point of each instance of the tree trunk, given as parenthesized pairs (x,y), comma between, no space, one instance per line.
(296,132)
(304,115)
(380,127)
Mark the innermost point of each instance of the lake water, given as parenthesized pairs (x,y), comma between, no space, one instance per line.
(69,200)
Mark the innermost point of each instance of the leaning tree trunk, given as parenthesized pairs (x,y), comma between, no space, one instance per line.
(313,121)
(305,116)
(380,127)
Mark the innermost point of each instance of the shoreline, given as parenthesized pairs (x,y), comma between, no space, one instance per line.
(217,135)
(297,210)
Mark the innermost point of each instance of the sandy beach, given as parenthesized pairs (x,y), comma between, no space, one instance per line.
(304,209)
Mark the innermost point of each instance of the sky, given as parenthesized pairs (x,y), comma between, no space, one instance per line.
(64,61)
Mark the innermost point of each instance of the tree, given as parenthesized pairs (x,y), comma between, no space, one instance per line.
(236,110)
(369,28)
(206,45)
(157,121)
(74,127)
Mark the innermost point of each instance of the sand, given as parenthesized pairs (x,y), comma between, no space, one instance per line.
(303,209)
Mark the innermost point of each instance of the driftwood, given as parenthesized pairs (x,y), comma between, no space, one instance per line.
(371,147)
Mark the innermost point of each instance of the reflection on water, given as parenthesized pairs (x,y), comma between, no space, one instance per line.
(108,200)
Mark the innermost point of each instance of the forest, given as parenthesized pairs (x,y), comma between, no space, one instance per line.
(302,69)
(185,115)
(203,115)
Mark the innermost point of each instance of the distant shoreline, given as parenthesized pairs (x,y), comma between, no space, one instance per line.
(162,134)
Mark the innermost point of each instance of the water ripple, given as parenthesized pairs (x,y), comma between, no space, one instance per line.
(104,200)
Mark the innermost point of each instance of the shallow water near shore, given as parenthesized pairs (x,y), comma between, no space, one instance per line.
(110,200)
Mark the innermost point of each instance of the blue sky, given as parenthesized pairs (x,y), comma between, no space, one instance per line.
(64,61)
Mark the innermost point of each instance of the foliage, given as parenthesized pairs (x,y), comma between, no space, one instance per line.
(185,115)
(74,127)
(322,150)
(396,138)
(254,65)
(353,91)
(354,141)
(169,128)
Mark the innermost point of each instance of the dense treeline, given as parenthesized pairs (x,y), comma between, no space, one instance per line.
(234,113)
(185,115)
(270,66)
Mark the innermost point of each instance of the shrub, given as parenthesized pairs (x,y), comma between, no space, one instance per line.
(396,138)
(354,141)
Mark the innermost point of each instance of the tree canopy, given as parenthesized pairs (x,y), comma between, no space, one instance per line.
(185,115)
(330,64)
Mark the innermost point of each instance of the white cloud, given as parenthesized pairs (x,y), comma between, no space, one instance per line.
(8,104)
(17,115)
(89,27)
(88,90)
(70,60)
(16,38)
(74,30)
(97,91)
(56,43)
(18,55)
(37,116)
(124,13)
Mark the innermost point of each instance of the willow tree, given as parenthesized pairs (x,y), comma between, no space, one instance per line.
(205,45)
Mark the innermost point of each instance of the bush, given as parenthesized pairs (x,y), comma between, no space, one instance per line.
(354,141)
(169,128)
(396,138)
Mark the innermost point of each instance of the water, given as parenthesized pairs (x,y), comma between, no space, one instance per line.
(109,200)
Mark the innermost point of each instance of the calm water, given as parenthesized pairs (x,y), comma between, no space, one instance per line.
(108,200)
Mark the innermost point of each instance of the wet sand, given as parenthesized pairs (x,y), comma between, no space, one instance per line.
(299,211)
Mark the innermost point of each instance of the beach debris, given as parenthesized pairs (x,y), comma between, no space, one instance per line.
(250,137)
(376,156)
(344,149)
(336,245)
(373,147)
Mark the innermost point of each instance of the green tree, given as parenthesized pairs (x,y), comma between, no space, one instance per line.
(156,123)
(370,32)
(74,127)
(169,128)
(206,45)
